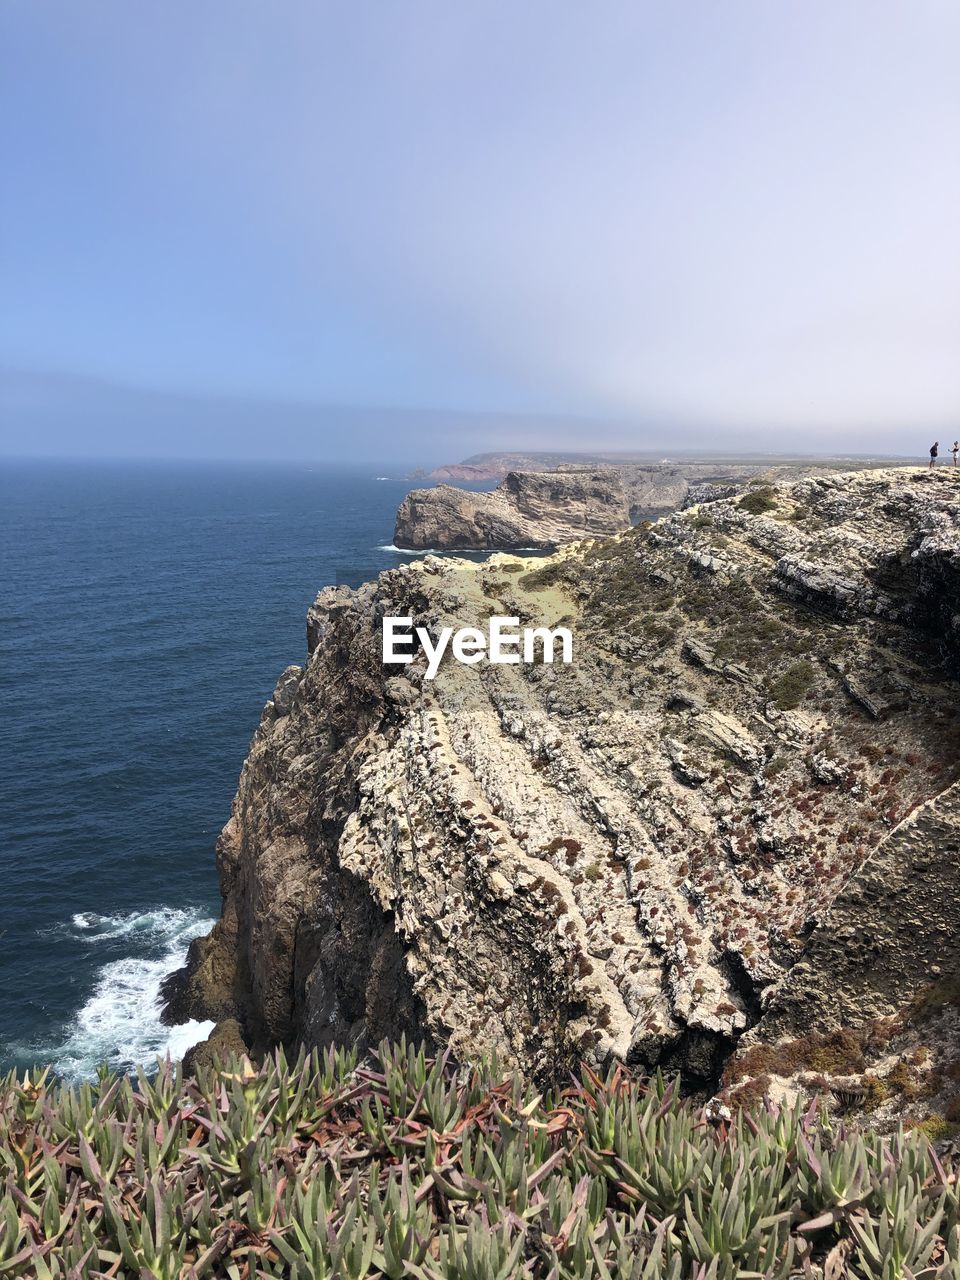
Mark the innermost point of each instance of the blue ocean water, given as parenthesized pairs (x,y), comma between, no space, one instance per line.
(145,613)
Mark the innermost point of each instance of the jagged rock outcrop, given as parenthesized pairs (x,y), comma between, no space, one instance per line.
(527,509)
(887,935)
(630,855)
(537,508)
(494,466)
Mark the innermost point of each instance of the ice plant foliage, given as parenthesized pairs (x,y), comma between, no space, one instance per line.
(406,1166)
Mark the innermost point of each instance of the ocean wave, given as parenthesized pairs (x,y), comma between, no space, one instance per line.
(158,925)
(119,1023)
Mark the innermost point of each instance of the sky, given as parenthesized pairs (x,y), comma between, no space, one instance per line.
(309,229)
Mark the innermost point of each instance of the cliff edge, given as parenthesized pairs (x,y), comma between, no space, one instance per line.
(527,509)
(639,855)
(541,509)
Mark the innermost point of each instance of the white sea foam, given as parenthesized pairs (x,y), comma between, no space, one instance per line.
(159,926)
(119,1023)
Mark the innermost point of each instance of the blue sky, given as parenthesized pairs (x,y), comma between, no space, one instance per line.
(624,224)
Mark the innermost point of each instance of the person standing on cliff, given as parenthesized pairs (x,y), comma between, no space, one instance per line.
(955,449)
(934,450)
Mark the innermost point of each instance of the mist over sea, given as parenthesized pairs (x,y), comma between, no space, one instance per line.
(145,613)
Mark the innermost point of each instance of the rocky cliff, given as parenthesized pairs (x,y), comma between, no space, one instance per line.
(539,508)
(733,808)
(494,466)
(527,509)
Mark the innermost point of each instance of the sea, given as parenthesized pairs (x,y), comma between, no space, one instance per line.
(146,610)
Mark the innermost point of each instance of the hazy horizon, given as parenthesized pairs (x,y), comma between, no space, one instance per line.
(69,417)
(428,232)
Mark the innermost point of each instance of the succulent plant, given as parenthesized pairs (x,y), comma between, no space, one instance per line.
(403,1165)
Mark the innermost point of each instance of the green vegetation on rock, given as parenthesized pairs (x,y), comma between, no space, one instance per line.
(758,501)
(790,688)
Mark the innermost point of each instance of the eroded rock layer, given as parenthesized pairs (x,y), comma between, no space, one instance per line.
(540,509)
(527,509)
(628,855)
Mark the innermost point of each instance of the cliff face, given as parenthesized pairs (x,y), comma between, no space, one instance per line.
(494,466)
(545,509)
(628,855)
(527,509)
(888,934)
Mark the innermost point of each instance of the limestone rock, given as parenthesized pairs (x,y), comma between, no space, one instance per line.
(225,1040)
(527,509)
(283,694)
(538,508)
(632,856)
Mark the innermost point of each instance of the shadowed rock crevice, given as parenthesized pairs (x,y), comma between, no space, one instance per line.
(351,985)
